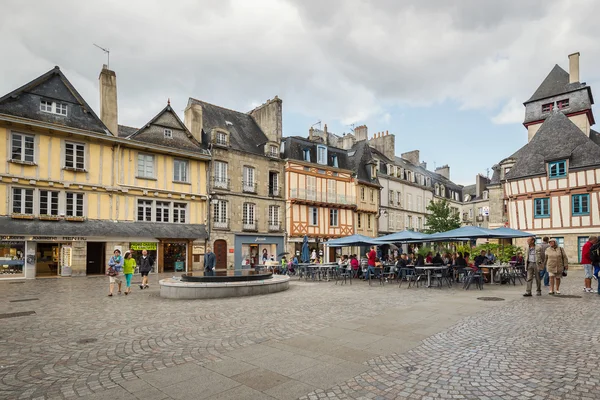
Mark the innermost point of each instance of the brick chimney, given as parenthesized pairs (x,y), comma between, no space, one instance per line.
(361,133)
(269,118)
(108,99)
(444,171)
(411,156)
(192,119)
(574,67)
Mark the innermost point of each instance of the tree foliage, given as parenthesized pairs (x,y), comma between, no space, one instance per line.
(442,217)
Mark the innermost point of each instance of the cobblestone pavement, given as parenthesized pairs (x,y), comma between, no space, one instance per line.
(317,340)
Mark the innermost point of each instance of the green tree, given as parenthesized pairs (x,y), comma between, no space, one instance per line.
(442,217)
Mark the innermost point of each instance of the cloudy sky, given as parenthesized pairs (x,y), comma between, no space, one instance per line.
(446,77)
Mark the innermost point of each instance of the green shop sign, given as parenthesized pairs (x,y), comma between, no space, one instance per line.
(143,246)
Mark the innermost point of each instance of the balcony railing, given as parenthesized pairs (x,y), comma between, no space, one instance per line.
(274,191)
(274,226)
(221,183)
(249,187)
(251,226)
(221,223)
(322,197)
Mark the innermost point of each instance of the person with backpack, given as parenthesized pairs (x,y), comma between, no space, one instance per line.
(595,260)
(586,261)
(145,263)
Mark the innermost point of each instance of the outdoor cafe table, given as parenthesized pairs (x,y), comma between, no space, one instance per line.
(429,268)
(494,270)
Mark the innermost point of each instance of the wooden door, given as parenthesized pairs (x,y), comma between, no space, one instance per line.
(220,249)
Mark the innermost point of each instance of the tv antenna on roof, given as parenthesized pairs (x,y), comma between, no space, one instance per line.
(107,51)
(316,123)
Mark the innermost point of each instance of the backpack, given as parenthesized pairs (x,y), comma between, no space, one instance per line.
(595,254)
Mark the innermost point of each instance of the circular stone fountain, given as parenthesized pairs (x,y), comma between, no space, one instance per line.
(223,284)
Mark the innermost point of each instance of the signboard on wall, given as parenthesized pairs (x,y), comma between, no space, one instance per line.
(143,246)
(485,211)
(198,249)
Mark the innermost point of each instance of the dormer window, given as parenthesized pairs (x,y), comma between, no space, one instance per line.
(557,169)
(373,171)
(306,154)
(53,107)
(562,104)
(322,155)
(273,151)
(467,198)
(221,138)
(485,195)
(168,134)
(547,107)
(334,160)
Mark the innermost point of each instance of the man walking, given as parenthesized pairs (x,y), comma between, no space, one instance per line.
(544,273)
(533,263)
(586,261)
(209,262)
(556,263)
(371,257)
(145,263)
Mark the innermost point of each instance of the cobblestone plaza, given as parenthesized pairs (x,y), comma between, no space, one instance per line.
(316,340)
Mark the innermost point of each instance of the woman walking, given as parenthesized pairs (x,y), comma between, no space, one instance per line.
(556,263)
(115,268)
(128,268)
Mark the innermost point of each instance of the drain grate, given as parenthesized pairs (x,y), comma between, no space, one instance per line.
(15,283)
(490,298)
(16,314)
(20,300)
(88,340)
(410,368)
(567,296)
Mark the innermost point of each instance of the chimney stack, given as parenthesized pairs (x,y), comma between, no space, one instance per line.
(361,133)
(192,118)
(326,135)
(108,100)
(574,67)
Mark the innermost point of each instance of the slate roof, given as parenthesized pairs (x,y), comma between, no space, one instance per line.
(52,86)
(244,133)
(153,132)
(99,228)
(125,131)
(294,145)
(359,162)
(558,138)
(557,82)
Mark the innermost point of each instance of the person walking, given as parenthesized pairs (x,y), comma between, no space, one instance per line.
(544,273)
(556,263)
(587,264)
(115,268)
(533,263)
(210,261)
(595,259)
(129,265)
(146,263)
(371,257)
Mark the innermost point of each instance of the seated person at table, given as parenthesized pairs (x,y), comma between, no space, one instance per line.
(437,259)
(518,259)
(480,259)
(460,260)
(429,258)
(447,259)
(420,261)
(491,257)
(355,265)
(467,262)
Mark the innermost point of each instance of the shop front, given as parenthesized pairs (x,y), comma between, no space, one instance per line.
(253,250)
(12,257)
(175,255)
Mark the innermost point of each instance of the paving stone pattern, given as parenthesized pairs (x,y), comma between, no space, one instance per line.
(316,340)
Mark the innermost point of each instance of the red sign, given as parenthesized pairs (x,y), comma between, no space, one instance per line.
(231,250)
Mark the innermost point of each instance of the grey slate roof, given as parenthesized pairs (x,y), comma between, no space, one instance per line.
(125,131)
(558,138)
(359,162)
(556,82)
(98,228)
(294,146)
(595,136)
(153,132)
(52,86)
(244,133)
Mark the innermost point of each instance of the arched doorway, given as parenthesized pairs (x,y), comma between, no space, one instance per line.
(220,249)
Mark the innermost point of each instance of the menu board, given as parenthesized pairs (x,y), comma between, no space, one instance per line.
(66,256)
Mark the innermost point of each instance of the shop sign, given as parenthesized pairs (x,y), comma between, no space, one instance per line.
(59,238)
(143,246)
(260,239)
(74,238)
(198,249)
(11,238)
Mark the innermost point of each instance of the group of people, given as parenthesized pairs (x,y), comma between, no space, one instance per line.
(546,258)
(124,266)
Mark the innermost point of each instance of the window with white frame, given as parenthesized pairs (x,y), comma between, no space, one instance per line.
(369,217)
(333,217)
(179,213)
(221,174)
(144,210)
(273,215)
(22,147)
(359,221)
(311,187)
(419,223)
(248,217)
(48,202)
(161,211)
(221,138)
(180,170)
(322,155)
(331,190)
(409,222)
(145,165)
(313,216)
(362,193)
(391,197)
(335,161)
(219,212)
(273,151)
(399,198)
(168,133)
(53,107)
(306,155)
(75,155)
(22,201)
(409,201)
(248,182)
(419,203)
(74,204)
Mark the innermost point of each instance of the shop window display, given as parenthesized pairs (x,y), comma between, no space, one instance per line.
(12,259)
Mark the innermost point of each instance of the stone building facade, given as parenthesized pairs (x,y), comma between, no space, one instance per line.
(247,205)
(475,210)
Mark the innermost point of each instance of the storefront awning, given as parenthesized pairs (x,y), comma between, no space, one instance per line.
(96,228)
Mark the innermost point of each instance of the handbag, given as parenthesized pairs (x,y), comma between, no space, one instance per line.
(112,271)
(565,267)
